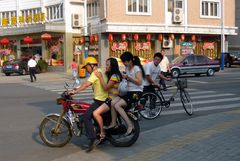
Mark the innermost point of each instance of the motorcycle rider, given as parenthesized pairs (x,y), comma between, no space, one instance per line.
(134,74)
(100,95)
(114,78)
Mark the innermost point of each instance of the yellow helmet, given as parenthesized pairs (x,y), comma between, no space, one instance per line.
(90,60)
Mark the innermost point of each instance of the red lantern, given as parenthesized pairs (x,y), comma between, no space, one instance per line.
(172,36)
(81,40)
(4,41)
(160,37)
(135,37)
(193,37)
(27,40)
(182,37)
(148,37)
(110,37)
(96,37)
(91,39)
(46,37)
(123,37)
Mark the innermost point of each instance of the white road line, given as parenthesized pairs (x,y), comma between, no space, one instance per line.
(218,107)
(192,93)
(208,101)
(194,81)
(201,92)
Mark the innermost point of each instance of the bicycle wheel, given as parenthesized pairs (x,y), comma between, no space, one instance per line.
(186,102)
(152,105)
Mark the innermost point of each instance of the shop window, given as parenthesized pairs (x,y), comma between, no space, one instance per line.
(54,50)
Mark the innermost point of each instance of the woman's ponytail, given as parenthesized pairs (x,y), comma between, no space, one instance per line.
(136,61)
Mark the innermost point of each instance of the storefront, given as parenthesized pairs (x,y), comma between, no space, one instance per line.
(49,47)
(145,45)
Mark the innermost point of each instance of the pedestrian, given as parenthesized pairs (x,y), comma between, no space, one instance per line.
(32,68)
(164,65)
(100,96)
(74,69)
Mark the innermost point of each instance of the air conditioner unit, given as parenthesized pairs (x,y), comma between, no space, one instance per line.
(177,15)
(167,42)
(76,20)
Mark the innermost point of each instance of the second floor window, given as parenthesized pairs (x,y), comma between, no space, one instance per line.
(55,12)
(138,6)
(93,9)
(210,8)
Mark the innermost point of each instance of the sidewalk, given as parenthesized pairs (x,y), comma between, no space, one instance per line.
(42,77)
(212,137)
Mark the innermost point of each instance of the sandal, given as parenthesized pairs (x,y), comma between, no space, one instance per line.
(102,137)
(111,127)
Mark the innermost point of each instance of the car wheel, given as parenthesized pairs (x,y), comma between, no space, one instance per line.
(175,73)
(210,72)
(228,65)
(7,74)
(24,72)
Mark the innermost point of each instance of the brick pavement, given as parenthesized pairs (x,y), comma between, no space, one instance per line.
(212,137)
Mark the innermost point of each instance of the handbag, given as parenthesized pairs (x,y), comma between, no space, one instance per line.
(123,87)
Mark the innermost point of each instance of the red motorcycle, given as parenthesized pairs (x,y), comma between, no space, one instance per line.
(56,130)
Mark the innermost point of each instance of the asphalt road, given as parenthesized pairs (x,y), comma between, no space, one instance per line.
(23,106)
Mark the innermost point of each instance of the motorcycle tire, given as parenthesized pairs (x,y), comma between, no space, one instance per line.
(119,140)
(51,138)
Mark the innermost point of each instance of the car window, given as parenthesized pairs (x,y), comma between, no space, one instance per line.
(189,59)
(236,54)
(201,59)
(178,59)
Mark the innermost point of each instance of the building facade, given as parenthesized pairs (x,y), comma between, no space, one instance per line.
(146,26)
(47,28)
(58,31)
(234,41)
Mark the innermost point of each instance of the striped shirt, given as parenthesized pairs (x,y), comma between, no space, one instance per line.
(113,92)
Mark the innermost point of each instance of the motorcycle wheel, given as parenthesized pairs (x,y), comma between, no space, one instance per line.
(52,138)
(118,139)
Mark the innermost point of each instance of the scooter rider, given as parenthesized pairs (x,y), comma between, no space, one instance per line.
(100,95)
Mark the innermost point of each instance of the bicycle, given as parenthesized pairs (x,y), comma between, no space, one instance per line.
(154,101)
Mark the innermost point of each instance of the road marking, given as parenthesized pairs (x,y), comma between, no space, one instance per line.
(208,96)
(154,153)
(194,81)
(201,92)
(208,108)
(208,101)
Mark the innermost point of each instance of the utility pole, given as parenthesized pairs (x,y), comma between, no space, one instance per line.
(222,36)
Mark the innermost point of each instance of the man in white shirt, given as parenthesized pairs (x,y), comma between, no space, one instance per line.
(164,66)
(153,71)
(32,68)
